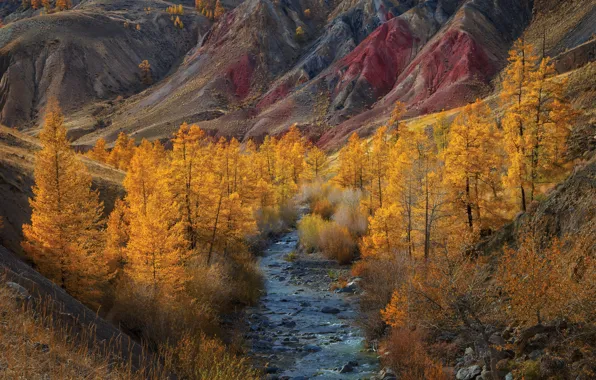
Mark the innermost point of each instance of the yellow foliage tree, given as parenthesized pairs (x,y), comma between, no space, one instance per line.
(117,236)
(219,10)
(188,175)
(352,171)
(397,114)
(156,247)
(471,163)
(379,165)
(289,164)
(145,68)
(64,237)
(536,122)
(99,151)
(63,4)
(317,164)
(521,68)
(121,155)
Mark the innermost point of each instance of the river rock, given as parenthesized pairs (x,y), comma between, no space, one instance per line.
(351,287)
(486,374)
(312,348)
(497,340)
(288,323)
(346,368)
(468,373)
(386,374)
(330,310)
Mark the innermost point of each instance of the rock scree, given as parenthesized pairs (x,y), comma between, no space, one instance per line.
(301,329)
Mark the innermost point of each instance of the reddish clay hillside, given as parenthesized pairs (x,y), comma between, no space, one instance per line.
(252,74)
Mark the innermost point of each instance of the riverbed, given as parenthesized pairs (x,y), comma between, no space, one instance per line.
(300,329)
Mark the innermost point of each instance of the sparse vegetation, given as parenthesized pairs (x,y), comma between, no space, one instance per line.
(300,34)
(145,68)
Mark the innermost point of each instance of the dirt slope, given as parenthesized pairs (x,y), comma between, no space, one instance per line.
(87,54)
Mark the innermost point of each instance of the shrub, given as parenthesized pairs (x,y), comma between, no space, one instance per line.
(200,357)
(273,221)
(291,257)
(209,285)
(288,215)
(245,278)
(337,243)
(324,208)
(380,279)
(405,352)
(156,318)
(300,35)
(309,229)
(349,213)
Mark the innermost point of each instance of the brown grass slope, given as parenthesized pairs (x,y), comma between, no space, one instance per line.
(77,328)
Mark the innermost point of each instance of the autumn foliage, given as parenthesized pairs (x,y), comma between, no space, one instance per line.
(175,250)
(64,237)
(431,192)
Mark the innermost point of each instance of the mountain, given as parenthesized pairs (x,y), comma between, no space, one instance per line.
(87,55)
(249,73)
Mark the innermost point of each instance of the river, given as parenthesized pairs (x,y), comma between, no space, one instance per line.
(300,329)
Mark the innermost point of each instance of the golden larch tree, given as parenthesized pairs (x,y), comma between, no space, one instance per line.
(472,164)
(352,171)
(145,68)
(219,10)
(99,151)
(121,155)
(188,175)
(156,247)
(317,164)
(64,238)
(518,75)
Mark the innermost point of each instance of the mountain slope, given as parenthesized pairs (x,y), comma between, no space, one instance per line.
(87,54)
(252,74)
(81,322)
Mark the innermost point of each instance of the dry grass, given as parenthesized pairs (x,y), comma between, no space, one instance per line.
(405,351)
(35,346)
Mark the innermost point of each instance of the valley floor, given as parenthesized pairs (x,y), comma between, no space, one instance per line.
(300,329)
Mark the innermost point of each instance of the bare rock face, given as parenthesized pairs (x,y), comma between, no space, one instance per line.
(86,54)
